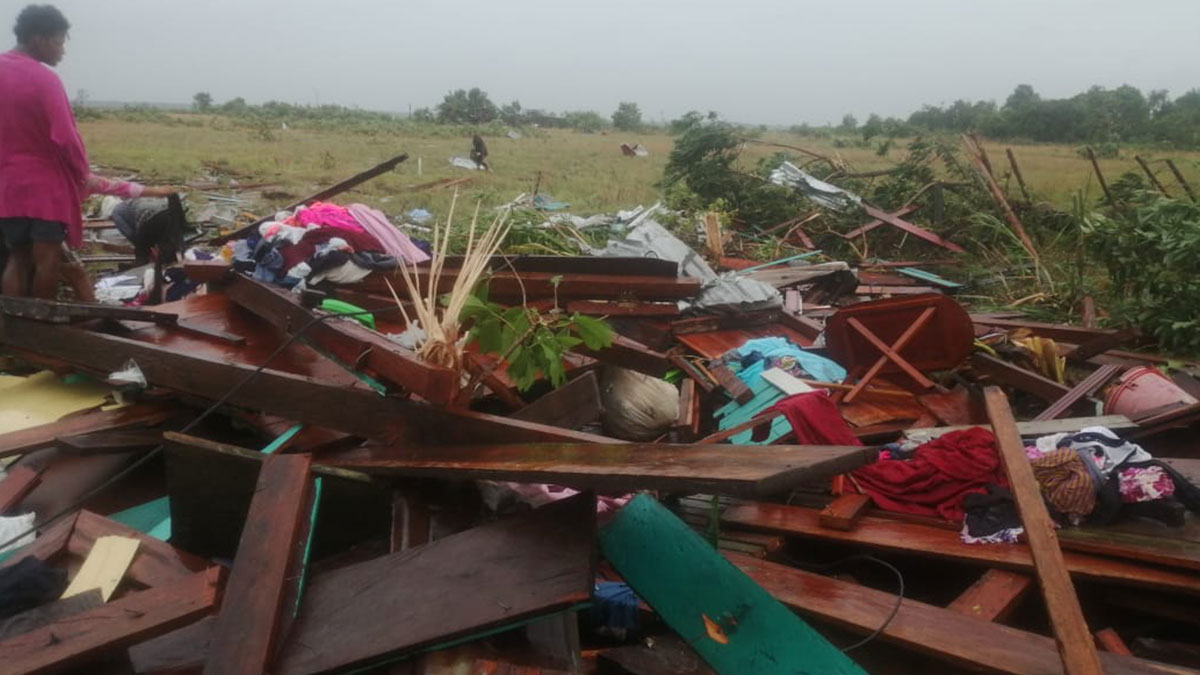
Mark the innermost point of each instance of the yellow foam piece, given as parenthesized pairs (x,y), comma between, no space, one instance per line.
(43,398)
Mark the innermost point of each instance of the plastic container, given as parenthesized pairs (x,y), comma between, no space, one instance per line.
(1141,389)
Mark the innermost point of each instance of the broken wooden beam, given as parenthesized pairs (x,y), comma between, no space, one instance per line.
(628,353)
(570,406)
(717,469)
(267,563)
(360,411)
(730,383)
(110,441)
(353,344)
(914,230)
(498,574)
(844,512)
(45,435)
(76,640)
(1017,377)
(867,227)
(994,596)
(946,635)
(63,312)
(18,482)
(1075,642)
(327,193)
(1090,385)
(882,533)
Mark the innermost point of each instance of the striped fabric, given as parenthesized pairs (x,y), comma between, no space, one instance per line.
(1065,482)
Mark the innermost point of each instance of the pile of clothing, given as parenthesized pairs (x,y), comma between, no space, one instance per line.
(1089,477)
(324,242)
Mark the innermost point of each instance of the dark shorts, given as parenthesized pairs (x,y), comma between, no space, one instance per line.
(19,232)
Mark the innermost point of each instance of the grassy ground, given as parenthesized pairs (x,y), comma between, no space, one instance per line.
(587,170)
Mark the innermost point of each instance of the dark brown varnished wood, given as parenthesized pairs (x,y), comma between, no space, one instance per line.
(498,574)
(1075,642)
(886,534)
(994,596)
(941,633)
(75,640)
(44,435)
(249,623)
(719,469)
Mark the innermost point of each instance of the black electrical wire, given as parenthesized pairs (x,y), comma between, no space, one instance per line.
(899,593)
(191,425)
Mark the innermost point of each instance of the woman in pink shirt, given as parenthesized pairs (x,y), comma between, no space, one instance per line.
(44,172)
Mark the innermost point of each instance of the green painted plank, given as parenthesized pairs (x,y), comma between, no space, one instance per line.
(680,575)
(281,439)
(928,276)
(152,518)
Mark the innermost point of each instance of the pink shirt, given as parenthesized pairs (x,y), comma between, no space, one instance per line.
(44,171)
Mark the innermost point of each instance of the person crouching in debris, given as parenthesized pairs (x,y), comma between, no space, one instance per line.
(44,173)
(479,152)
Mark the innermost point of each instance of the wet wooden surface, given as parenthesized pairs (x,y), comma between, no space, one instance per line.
(497,574)
(720,468)
(942,633)
(882,533)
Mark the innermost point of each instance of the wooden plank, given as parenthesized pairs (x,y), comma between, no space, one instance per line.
(1075,642)
(867,227)
(180,651)
(666,655)
(44,435)
(115,441)
(1019,378)
(732,385)
(1099,345)
(248,626)
(844,512)
(908,227)
(18,482)
(360,411)
(1108,640)
(628,353)
(62,312)
(212,485)
(348,340)
(570,406)
(729,620)
(1090,385)
(688,421)
(922,540)
(994,596)
(157,563)
(1037,429)
(1163,549)
(51,544)
(1059,332)
(1187,654)
(104,566)
(721,469)
(35,618)
(594,308)
(509,287)
(498,574)
(77,639)
(946,635)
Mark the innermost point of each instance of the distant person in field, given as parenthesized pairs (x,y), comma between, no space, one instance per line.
(44,173)
(479,152)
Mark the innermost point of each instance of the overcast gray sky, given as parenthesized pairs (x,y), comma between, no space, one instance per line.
(768,61)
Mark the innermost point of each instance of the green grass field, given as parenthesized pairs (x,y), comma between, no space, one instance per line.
(586,170)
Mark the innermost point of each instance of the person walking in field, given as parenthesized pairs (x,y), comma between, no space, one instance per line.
(44,171)
(479,152)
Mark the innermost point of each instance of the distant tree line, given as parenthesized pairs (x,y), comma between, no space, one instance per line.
(470,107)
(1098,115)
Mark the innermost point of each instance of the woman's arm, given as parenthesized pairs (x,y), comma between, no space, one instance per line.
(99,185)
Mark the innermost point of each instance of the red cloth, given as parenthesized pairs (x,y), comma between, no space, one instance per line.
(816,420)
(940,473)
(294,254)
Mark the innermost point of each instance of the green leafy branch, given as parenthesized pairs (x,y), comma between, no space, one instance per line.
(530,342)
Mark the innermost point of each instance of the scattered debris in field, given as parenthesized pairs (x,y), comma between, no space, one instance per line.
(604,454)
